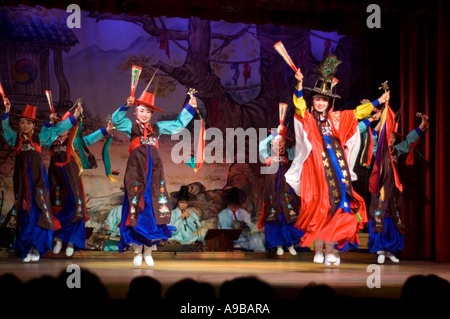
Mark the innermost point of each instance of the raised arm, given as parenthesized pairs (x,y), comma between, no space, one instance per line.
(175,126)
(96,136)
(119,119)
(265,148)
(404,146)
(50,133)
(364,124)
(299,101)
(8,133)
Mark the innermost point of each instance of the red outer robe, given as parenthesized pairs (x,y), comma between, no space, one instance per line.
(314,217)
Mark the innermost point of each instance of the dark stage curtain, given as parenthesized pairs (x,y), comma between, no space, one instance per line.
(423,75)
(442,141)
(411,51)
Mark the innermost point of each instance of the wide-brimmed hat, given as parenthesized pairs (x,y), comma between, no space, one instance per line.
(147,99)
(183,194)
(326,82)
(29,113)
(235,196)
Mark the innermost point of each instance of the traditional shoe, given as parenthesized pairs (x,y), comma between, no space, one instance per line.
(380,258)
(338,261)
(392,257)
(137,261)
(318,258)
(69,250)
(35,255)
(149,260)
(280,250)
(57,247)
(291,249)
(27,258)
(330,259)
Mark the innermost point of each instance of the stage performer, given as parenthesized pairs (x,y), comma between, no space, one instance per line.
(146,208)
(36,222)
(184,219)
(66,186)
(363,164)
(327,143)
(235,217)
(386,227)
(281,205)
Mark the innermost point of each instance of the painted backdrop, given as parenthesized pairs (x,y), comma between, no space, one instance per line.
(239,77)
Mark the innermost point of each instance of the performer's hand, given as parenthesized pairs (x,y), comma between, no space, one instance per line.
(53,118)
(385,97)
(193,101)
(7,104)
(130,101)
(110,127)
(185,214)
(375,117)
(280,129)
(299,76)
(425,122)
(78,111)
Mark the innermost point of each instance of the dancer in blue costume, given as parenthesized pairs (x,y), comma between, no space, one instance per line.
(385,225)
(146,208)
(32,200)
(66,187)
(281,205)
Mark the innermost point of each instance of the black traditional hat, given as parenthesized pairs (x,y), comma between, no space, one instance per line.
(326,82)
(235,196)
(183,194)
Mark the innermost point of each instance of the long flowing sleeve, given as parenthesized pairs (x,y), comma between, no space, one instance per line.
(175,126)
(120,121)
(7,132)
(95,136)
(299,102)
(375,141)
(224,219)
(363,125)
(404,146)
(175,220)
(193,221)
(265,145)
(49,134)
(244,216)
(363,111)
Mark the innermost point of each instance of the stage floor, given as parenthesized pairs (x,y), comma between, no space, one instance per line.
(286,274)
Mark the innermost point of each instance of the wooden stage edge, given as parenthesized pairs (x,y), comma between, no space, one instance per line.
(168,254)
(287,274)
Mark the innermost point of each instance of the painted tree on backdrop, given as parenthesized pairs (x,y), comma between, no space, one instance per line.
(222,111)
